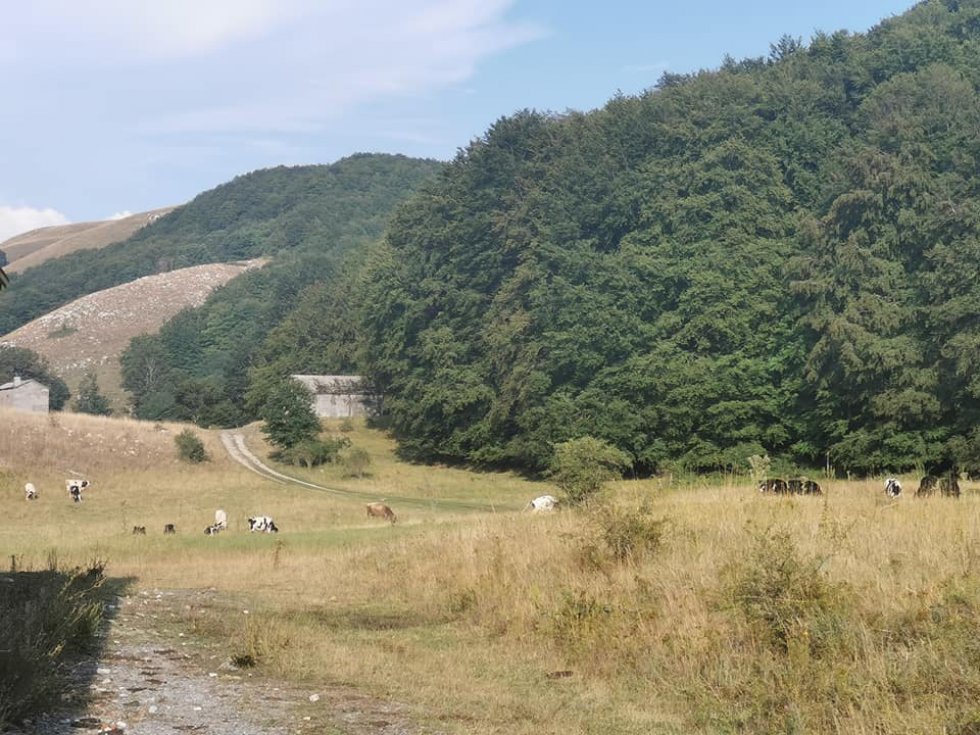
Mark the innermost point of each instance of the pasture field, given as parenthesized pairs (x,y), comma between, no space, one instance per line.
(669,608)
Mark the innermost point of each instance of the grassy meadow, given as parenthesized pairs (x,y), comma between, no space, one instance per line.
(672,607)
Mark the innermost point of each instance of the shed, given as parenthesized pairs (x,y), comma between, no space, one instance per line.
(340,396)
(24,395)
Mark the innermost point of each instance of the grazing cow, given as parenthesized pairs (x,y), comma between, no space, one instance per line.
(30,492)
(221,519)
(139,530)
(75,492)
(794,487)
(542,503)
(75,483)
(893,488)
(927,486)
(949,486)
(213,530)
(811,487)
(262,524)
(773,486)
(169,529)
(380,510)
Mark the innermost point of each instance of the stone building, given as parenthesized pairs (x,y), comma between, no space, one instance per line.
(340,396)
(24,395)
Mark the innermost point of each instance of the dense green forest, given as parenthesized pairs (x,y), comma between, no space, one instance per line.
(278,211)
(777,256)
(313,221)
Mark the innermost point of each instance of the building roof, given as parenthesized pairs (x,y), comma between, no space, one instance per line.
(334,384)
(19,383)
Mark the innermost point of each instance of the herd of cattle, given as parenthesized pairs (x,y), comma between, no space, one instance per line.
(947,485)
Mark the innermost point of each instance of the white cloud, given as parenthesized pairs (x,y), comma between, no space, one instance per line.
(120,215)
(15,220)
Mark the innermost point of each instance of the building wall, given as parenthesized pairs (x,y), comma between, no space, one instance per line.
(335,406)
(27,397)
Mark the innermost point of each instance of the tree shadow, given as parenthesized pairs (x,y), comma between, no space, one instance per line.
(54,628)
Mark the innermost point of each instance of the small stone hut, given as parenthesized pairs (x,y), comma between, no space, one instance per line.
(340,396)
(24,395)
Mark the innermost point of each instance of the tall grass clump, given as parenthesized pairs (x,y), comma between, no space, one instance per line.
(46,619)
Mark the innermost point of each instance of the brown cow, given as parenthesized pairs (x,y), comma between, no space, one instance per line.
(380,510)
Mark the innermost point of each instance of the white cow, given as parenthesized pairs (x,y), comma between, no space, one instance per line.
(75,483)
(543,503)
(262,524)
(221,519)
(30,492)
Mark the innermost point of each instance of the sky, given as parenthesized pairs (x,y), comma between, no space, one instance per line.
(121,106)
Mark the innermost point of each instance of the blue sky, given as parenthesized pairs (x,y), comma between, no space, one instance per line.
(116,106)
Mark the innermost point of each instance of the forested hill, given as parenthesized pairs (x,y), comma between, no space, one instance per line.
(778,256)
(327,208)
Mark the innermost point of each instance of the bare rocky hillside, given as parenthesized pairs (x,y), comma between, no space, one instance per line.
(34,247)
(91,333)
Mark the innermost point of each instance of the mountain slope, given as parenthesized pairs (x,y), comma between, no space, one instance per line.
(90,333)
(34,247)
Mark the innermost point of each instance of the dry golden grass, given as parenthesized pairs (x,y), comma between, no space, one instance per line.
(710,609)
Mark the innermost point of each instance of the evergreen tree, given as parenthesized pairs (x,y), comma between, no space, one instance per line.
(89,399)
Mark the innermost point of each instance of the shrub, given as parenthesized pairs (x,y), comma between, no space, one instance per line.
(357,461)
(312,452)
(45,618)
(189,447)
(289,416)
(581,466)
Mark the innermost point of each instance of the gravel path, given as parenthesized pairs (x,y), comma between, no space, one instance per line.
(154,680)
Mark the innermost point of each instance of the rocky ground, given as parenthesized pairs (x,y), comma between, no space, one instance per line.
(153,679)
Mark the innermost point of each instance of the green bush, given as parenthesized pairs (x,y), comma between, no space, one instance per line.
(357,461)
(312,452)
(581,466)
(189,447)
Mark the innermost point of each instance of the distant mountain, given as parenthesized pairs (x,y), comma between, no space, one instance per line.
(33,248)
(90,333)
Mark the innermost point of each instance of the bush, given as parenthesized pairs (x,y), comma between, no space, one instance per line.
(189,447)
(313,452)
(623,535)
(357,461)
(45,618)
(581,466)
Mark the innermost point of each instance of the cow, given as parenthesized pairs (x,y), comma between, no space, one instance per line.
(75,491)
(169,529)
(949,486)
(76,483)
(794,487)
(30,492)
(213,530)
(773,486)
(927,486)
(380,510)
(139,530)
(893,488)
(542,503)
(262,524)
(810,487)
(221,519)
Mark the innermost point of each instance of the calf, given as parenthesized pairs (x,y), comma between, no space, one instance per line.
(30,492)
(811,488)
(139,530)
(169,529)
(380,510)
(262,524)
(773,486)
(893,488)
(213,530)
(542,503)
(949,486)
(927,486)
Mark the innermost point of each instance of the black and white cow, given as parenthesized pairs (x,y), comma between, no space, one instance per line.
(213,530)
(810,487)
(262,524)
(893,488)
(169,529)
(773,486)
